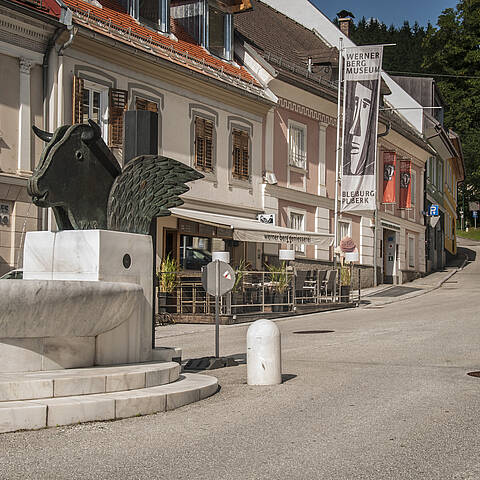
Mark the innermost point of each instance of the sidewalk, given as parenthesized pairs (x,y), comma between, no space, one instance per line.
(375,297)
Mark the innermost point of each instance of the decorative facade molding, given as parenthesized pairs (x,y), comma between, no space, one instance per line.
(306,111)
(25,65)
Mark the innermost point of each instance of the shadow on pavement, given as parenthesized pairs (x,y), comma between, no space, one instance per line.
(463,252)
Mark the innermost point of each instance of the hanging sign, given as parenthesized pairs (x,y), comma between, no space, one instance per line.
(389,165)
(405,184)
(360,102)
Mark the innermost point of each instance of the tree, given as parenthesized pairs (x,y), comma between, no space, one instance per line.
(453,48)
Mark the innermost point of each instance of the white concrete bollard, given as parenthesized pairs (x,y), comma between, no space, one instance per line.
(264,362)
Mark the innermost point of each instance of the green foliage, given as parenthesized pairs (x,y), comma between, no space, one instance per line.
(472,234)
(406,56)
(453,48)
(168,274)
(239,274)
(279,277)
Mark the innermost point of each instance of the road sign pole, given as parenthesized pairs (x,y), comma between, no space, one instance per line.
(217,308)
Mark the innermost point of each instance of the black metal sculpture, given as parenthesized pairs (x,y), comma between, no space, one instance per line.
(80,178)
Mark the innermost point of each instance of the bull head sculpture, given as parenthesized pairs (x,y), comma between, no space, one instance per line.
(74,176)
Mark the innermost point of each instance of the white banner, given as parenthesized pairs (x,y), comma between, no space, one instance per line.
(360,103)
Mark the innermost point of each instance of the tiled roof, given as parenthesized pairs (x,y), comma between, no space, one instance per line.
(284,42)
(112,19)
(48,7)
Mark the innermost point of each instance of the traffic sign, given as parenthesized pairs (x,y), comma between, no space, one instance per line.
(226,278)
(433,211)
(474,206)
(475,214)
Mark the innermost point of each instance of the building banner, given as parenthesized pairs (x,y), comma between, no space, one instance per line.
(405,184)
(360,104)
(389,166)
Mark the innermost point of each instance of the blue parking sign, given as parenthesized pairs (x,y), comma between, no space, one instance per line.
(433,211)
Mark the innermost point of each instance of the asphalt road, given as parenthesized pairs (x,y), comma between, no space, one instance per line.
(386,395)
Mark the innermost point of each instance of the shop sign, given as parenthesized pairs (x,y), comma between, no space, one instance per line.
(187,227)
(4,214)
(268,218)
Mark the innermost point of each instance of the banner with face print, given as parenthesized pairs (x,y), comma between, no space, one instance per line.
(405,184)
(360,104)
(389,165)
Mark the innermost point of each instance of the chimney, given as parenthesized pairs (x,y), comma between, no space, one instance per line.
(345,19)
(345,25)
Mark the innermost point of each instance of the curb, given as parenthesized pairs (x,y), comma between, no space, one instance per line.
(424,291)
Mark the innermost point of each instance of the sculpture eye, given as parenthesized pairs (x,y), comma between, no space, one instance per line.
(79,155)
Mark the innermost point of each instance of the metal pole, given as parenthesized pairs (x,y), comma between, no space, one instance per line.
(217,308)
(339,149)
(375,279)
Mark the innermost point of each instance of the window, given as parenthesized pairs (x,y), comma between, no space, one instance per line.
(144,104)
(344,229)
(204,144)
(219,33)
(414,187)
(155,13)
(411,252)
(297,153)
(90,100)
(297,222)
(240,140)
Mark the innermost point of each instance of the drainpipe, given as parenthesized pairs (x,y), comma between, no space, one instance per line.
(73,31)
(66,20)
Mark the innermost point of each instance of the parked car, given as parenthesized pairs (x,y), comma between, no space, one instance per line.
(16,274)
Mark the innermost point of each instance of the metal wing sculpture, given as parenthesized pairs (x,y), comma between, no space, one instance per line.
(80,178)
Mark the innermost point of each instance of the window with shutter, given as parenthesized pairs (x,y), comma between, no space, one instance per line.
(117,107)
(143,104)
(240,155)
(77,100)
(203,144)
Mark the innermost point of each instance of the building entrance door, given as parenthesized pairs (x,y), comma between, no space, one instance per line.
(389,255)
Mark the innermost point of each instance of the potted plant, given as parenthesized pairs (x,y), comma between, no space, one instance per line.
(279,281)
(345,283)
(238,297)
(167,284)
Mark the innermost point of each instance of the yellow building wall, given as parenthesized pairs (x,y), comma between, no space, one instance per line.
(450,204)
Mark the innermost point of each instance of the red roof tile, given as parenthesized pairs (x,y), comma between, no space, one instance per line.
(49,7)
(114,15)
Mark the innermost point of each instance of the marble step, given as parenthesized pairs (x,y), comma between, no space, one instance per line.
(52,412)
(85,381)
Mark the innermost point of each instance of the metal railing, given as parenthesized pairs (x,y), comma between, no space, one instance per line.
(256,293)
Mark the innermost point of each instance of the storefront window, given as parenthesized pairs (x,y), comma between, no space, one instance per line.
(195,252)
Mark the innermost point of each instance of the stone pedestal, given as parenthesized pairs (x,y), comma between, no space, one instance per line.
(98,256)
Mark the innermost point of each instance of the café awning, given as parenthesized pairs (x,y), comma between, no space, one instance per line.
(249,230)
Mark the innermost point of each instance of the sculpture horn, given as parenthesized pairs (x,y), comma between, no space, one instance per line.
(42,134)
(93,133)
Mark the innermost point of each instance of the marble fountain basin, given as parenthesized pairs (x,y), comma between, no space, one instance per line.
(65,308)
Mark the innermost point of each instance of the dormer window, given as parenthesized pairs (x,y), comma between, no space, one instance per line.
(219,36)
(154,13)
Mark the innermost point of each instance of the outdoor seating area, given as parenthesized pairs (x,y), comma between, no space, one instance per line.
(269,292)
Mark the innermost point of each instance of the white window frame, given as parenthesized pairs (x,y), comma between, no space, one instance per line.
(299,248)
(103,91)
(411,252)
(349,229)
(291,161)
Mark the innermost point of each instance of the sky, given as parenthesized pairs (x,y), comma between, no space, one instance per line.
(388,11)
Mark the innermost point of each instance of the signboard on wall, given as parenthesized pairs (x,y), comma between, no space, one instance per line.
(361,97)
(405,184)
(268,218)
(389,166)
(4,214)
